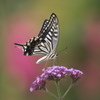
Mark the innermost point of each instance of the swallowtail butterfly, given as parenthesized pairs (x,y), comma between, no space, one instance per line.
(46,42)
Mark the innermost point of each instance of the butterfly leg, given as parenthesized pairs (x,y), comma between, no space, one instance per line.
(55,61)
(46,64)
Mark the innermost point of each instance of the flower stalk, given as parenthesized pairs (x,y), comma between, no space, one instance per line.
(50,93)
(67,90)
(58,90)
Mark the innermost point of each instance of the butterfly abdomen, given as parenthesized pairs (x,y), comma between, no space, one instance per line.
(52,56)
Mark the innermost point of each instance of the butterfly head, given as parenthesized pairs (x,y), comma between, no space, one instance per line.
(56,54)
(28,47)
(27,50)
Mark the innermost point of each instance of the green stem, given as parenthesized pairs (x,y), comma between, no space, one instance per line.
(67,90)
(58,90)
(50,93)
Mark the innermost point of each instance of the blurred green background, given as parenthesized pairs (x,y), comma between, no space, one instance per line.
(79,31)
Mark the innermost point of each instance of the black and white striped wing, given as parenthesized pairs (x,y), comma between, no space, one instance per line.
(49,36)
(44,25)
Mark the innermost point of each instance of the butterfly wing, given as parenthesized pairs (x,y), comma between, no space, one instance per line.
(44,25)
(50,35)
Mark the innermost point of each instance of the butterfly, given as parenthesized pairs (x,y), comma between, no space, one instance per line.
(46,42)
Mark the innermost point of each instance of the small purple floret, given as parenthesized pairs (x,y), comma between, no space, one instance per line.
(55,73)
(75,74)
(38,84)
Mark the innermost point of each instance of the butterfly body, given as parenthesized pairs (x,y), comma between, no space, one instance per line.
(46,42)
(29,46)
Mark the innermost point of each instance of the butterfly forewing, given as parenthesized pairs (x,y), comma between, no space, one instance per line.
(51,34)
(43,28)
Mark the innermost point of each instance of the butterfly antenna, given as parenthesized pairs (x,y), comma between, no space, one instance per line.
(62,50)
(18,44)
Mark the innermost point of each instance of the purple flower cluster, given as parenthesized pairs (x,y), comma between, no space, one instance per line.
(54,73)
(75,74)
